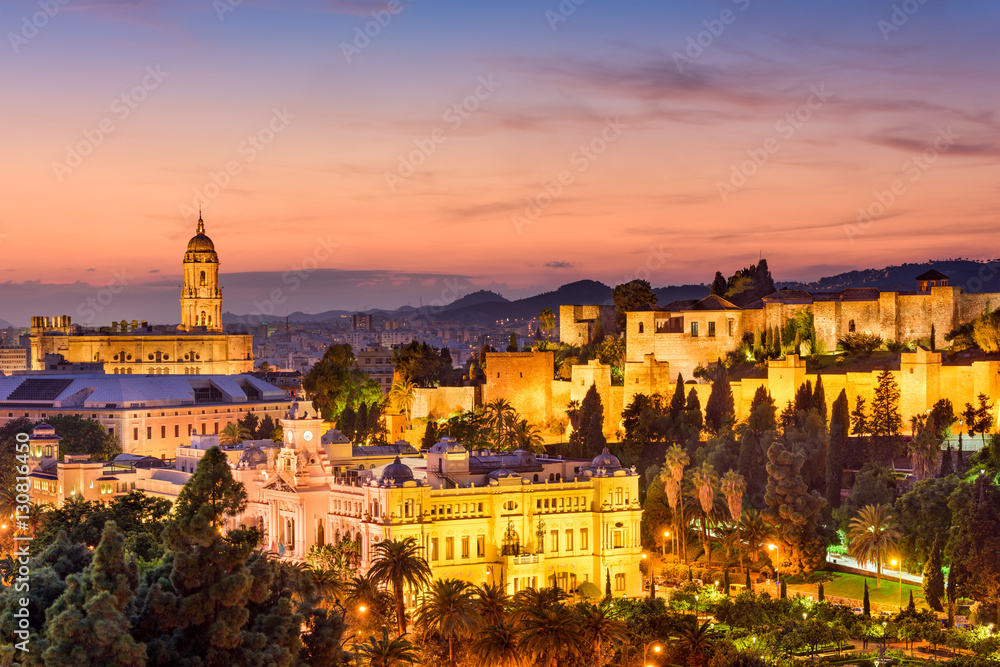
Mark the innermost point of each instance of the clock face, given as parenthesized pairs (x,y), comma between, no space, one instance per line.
(308,435)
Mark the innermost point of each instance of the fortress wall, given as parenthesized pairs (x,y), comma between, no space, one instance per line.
(638,345)
(524,379)
(685,352)
(970,306)
(645,377)
(439,402)
(916,313)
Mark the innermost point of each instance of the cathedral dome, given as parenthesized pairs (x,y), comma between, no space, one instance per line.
(606,460)
(200,243)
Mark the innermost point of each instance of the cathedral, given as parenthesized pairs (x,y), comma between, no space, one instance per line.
(197,346)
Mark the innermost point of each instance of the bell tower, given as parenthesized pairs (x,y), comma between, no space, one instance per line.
(201,296)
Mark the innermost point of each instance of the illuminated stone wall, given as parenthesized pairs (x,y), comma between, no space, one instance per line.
(441,402)
(525,380)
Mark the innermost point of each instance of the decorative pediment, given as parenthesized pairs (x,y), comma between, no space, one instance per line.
(279,484)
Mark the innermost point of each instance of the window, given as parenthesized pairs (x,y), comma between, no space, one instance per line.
(216,428)
(135,433)
(465,547)
(555,541)
(569,540)
(204,428)
(618,496)
(481,546)
(711,329)
(149,432)
(850,326)
(163,431)
(640,327)
(732,324)
(619,541)
(619,582)
(177,430)
(435,553)
(449,548)
(694,329)
(584,542)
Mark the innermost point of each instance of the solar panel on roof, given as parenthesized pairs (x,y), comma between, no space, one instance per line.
(39,389)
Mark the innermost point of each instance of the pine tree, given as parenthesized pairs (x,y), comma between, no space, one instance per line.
(819,397)
(820,593)
(719,285)
(430,436)
(866,604)
(837,452)
(791,504)
(934,578)
(95,606)
(886,421)
(720,409)
(512,345)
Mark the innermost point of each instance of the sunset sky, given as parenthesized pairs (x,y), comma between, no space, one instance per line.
(674,99)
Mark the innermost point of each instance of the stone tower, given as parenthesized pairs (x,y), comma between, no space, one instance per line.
(201,296)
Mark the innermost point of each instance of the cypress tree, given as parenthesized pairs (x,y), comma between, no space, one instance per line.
(866,603)
(677,404)
(720,406)
(821,594)
(960,467)
(748,584)
(837,452)
(725,582)
(911,607)
(933,337)
(784,590)
(934,578)
(947,465)
(607,583)
(952,599)
(588,441)
(430,436)
(758,347)
(819,397)
(803,397)
(652,585)
(690,574)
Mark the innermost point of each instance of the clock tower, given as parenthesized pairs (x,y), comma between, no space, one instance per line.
(201,296)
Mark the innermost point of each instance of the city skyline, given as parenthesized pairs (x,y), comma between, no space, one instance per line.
(555,142)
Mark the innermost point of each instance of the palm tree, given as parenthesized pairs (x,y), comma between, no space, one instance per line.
(551,633)
(449,610)
(528,437)
(754,531)
(704,480)
(547,319)
(497,645)
(925,447)
(573,413)
(694,641)
(674,463)
(398,563)
(527,599)
(401,396)
(500,418)
(600,628)
(733,486)
(234,434)
(385,651)
(872,534)
(492,602)
(328,585)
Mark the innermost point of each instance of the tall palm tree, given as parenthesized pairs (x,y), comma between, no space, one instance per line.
(872,534)
(398,563)
(925,447)
(497,645)
(754,532)
(733,486)
(527,599)
(551,633)
(385,651)
(449,610)
(704,480)
(547,319)
(492,602)
(401,396)
(600,628)
(234,434)
(573,413)
(500,418)
(674,463)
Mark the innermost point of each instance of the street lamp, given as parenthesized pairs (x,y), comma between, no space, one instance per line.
(777,564)
(645,650)
(696,605)
(666,542)
(899,578)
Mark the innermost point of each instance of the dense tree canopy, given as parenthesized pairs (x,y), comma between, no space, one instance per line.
(336,382)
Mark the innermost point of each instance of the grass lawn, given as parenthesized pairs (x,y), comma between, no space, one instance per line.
(847,585)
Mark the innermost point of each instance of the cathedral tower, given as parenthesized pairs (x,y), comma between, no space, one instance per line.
(201,296)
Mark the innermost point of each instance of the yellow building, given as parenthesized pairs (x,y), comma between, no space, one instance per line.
(197,346)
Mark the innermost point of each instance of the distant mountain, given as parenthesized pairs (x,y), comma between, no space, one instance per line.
(4,324)
(898,278)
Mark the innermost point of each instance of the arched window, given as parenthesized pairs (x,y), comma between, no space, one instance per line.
(640,327)
(203,280)
(204,318)
(159,356)
(850,326)
(128,371)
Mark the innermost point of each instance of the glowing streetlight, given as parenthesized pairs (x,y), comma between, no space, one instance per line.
(362,609)
(777,565)
(899,573)
(645,650)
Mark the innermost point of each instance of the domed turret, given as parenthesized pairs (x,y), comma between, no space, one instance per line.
(252,457)
(397,471)
(200,244)
(201,296)
(606,460)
